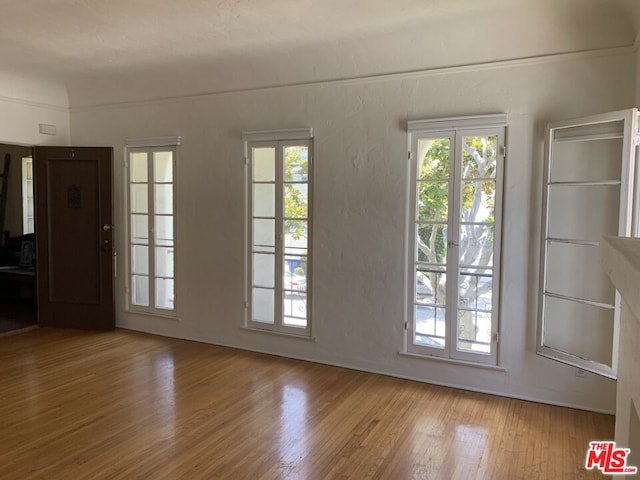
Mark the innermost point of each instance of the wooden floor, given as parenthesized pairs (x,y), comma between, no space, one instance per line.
(124,405)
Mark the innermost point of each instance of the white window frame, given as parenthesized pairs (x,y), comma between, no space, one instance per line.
(150,145)
(455,129)
(592,128)
(278,139)
(27,194)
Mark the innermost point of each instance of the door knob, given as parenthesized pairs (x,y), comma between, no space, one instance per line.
(106,227)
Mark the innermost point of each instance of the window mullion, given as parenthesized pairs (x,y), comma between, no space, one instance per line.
(453,244)
(151,226)
(279,240)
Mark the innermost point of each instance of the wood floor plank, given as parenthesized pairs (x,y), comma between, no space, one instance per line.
(123,405)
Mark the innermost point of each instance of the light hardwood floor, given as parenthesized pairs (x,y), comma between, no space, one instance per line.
(124,405)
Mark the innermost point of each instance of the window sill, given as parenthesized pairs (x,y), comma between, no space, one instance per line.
(279,334)
(454,361)
(144,313)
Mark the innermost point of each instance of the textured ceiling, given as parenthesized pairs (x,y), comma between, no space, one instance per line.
(164,48)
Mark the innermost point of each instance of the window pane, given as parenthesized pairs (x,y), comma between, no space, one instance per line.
(263,303)
(140,229)
(295,274)
(433,159)
(296,201)
(476,245)
(477,202)
(138,167)
(139,199)
(163,199)
(140,290)
(295,309)
(140,259)
(474,331)
(431,243)
(264,270)
(264,200)
(163,166)
(479,156)
(264,164)
(430,327)
(164,293)
(583,212)
(431,286)
(579,329)
(564,260)
(475,289)
(295,236)
(582,161)
(433,201)
(296,164)
(264,232)
(164,230)
(164,261)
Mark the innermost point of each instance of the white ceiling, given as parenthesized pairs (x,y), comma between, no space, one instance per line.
(118,50)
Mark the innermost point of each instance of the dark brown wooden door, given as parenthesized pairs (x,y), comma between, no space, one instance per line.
(74,257)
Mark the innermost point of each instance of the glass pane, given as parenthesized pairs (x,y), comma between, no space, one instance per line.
(264,200)
(579,329)
(475,289)
(296,201)
(140,229)
(295,309)
(264,232)
(163,166)
(263,304)
(431,243)
(164,293)
(583,212)
(296,164)
(264,272)
(477,202)
(474,331)
(430,328)
(431,285)
(587,161)
(140,259)
(164,261)
(264,164)
(476,245)
(138,167)
(164,230)
(295,232)
(164,198)
(295,274)
(564,260)
(433,201)
(140,290)
(139,199)
(479,156)
(433,159)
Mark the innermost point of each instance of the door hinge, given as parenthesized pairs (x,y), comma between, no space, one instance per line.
(409,155)
(406,325)
(246,160)
(503,151)
(496,337)
(245,304)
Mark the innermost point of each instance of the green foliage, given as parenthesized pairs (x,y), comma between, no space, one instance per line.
(296,205)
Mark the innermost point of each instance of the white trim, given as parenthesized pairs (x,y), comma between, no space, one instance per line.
(166,141)
(403,75)
(494,120)
(304,133)
(30,103)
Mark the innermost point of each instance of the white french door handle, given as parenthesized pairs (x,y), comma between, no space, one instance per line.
(452,244)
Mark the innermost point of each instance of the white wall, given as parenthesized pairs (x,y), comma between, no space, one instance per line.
(26,102)
(360,175)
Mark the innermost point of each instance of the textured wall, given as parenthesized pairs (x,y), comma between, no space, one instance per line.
(360,175)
